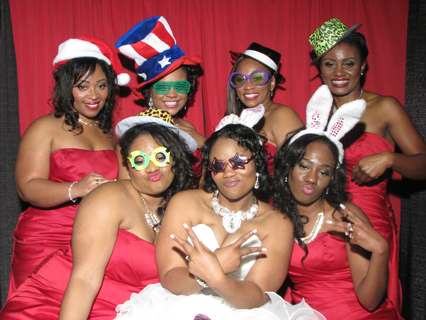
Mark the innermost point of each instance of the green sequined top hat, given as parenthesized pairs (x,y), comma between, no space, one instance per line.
(329,34)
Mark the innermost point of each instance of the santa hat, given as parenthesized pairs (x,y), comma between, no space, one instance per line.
(153,47)
(86,46)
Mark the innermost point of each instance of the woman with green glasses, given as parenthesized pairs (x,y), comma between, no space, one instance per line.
(251,83)
(169,76)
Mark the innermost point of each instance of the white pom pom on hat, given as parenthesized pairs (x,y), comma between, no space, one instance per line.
(87,46)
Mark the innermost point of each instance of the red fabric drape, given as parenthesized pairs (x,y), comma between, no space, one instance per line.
(209,28)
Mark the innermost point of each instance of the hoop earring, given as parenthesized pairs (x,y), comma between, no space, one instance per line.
(150,103)
(256,184)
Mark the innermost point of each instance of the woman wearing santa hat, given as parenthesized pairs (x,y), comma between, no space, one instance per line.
(66,154)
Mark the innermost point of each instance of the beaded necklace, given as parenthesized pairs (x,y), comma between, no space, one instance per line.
(232,220)
(151,218)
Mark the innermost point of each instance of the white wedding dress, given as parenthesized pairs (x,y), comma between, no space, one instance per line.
(156,303)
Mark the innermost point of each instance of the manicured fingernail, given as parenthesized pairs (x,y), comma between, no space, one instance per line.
(264,249)
(329,222)
(172,236)
(185,226)
(342,206)
(255,230)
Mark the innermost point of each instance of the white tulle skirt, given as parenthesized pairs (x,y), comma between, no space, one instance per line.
(156,303)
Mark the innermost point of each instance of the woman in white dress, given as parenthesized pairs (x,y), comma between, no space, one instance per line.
(238,248)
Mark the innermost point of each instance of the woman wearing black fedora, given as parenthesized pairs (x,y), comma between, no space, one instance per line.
(369,146)
(252,82)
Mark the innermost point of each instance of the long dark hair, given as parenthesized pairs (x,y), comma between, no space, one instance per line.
(286,158)
(184,176)
(73,72)
(234,105)
(248,139)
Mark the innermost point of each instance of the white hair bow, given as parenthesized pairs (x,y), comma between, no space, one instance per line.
(249,117)
(343,120)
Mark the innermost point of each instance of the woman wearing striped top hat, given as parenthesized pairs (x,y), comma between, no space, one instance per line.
(370,146)
(64,155)
(169,77)
(253,80)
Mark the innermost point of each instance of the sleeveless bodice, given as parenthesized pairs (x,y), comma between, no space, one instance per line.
(41,231)
(324,280)
(130,268)
(372,198)
(155,302)
(270,151)
(374,194)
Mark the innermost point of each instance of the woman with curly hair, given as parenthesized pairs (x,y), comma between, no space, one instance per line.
(340,264)
(115,229)
(72,151)
(222,253)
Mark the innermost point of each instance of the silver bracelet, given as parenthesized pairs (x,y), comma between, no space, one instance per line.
(69,192)
(201,282)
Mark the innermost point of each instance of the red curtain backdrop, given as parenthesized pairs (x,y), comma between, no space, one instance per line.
(209,28)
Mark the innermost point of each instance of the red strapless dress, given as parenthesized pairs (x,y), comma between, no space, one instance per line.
(130,269)
(373,200)
(270,151)
(40,232)
(324,281)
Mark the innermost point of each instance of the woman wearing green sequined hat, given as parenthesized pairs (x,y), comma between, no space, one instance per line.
(369,146)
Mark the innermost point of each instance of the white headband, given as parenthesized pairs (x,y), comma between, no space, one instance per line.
(343,120)
(262,58)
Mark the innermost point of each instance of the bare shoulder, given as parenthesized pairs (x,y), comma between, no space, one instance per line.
(110,193)
(281,110)
(185,123)
(273,218)
(385,105)
(187,200)
(45,124)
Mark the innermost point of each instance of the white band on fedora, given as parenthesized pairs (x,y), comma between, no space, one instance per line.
(262,58)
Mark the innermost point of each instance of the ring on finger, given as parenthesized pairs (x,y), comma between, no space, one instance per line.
(96,181)
(187,258)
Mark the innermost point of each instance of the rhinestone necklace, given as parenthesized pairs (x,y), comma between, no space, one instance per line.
(151,218)
(334,106)
(232,220)
(89,124)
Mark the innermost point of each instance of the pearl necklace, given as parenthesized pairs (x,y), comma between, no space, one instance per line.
(315,230)
(334,106)
(89,124)
(151,218)
(232,220)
